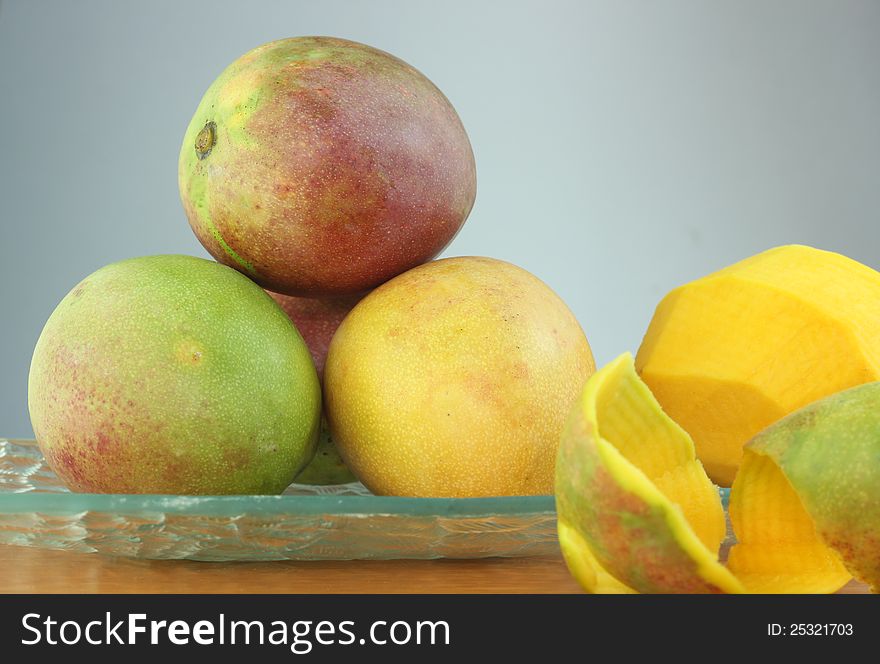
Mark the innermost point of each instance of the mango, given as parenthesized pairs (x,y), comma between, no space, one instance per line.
(637,512)
(173,375)
(454,379)
(323,167)
(731,353)
(326,467)
(317,320)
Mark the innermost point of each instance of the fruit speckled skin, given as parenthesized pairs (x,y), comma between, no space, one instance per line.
(327,466)
(320,167)
(173,374)
(455,379)
(317,320)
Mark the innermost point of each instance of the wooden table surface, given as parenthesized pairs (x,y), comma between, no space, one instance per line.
(28,570)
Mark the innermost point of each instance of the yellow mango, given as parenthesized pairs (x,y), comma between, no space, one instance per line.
(731,353)
(454,379)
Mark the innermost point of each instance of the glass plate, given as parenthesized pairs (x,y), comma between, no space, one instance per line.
(344,522)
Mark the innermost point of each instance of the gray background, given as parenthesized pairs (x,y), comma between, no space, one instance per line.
(622,147)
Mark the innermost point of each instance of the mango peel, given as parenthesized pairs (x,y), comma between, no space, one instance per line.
(823,462)
(614,520)
(731,353)
(637,512)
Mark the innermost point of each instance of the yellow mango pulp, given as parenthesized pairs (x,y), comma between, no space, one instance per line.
(731,353)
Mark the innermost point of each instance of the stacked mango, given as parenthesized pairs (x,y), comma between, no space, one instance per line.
(762,375)
(328,174)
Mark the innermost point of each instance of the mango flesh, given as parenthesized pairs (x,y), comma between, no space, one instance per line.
(731,353)
(636,510)
(323,167)
(454,379)
(174,375)
(824,462)
(317,320)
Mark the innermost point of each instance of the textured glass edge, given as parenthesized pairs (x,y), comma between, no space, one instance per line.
(71,503)
(341,522)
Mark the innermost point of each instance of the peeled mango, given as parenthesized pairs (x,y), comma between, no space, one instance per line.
(637,512)
(731,353)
